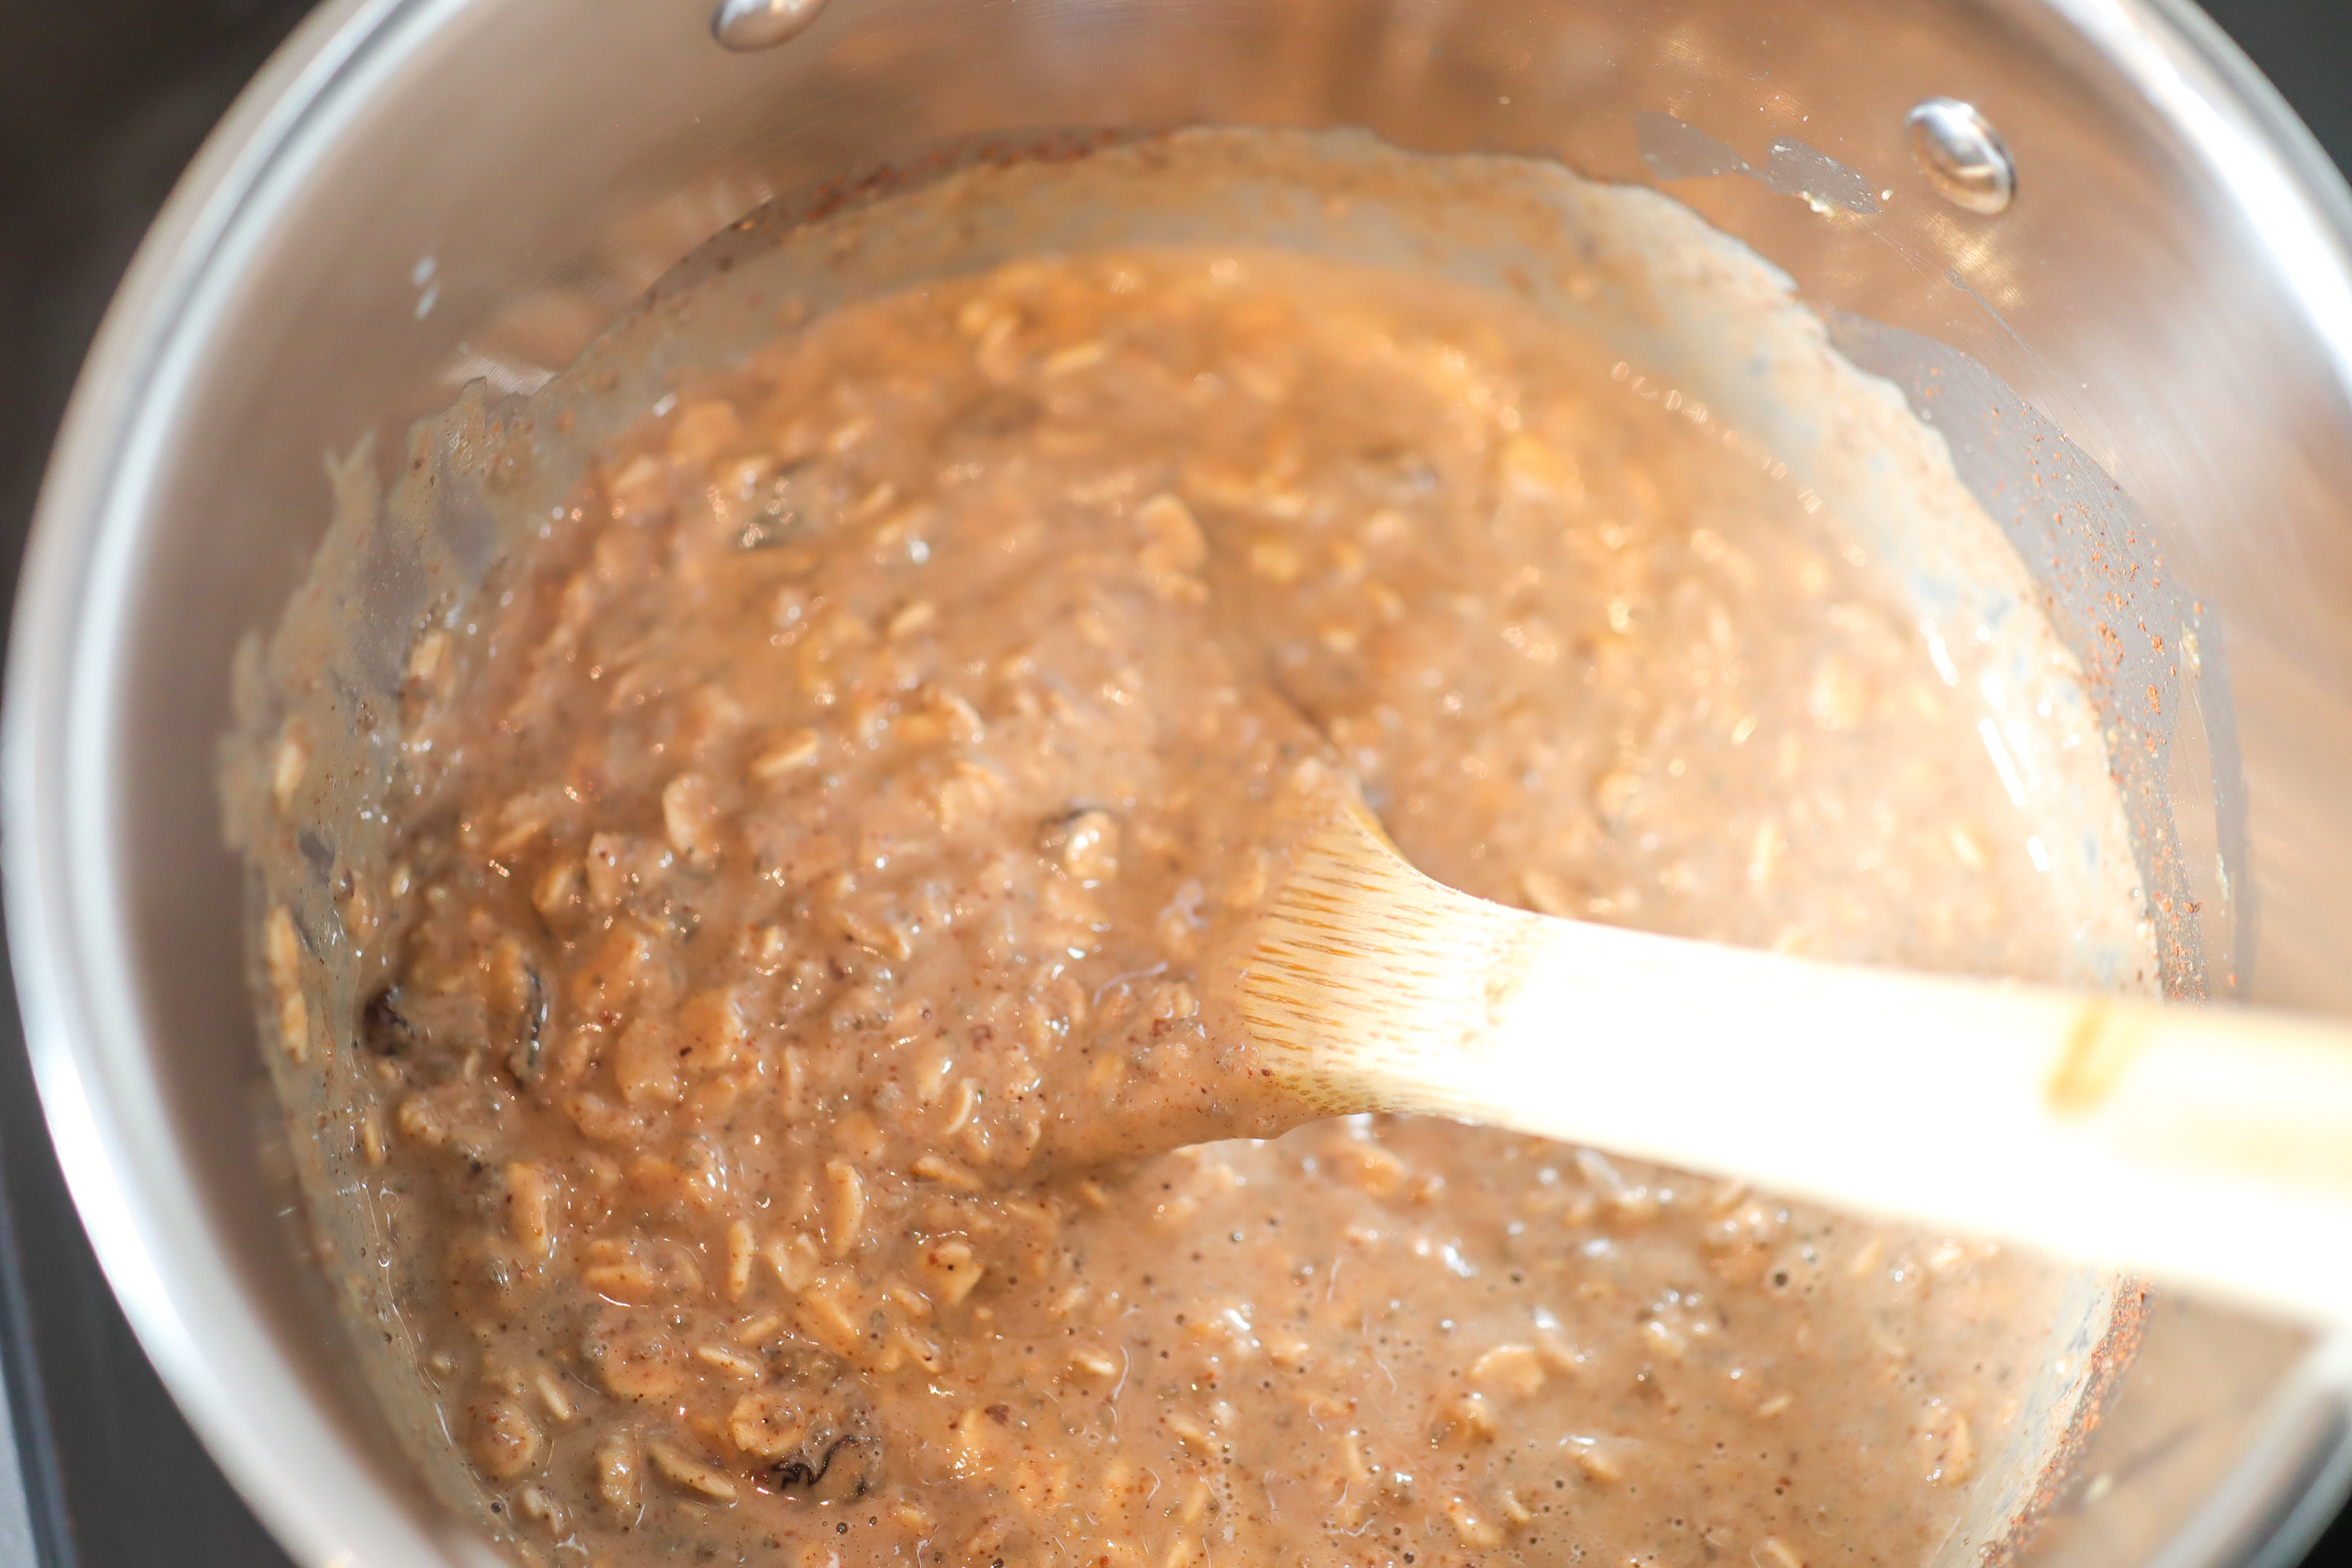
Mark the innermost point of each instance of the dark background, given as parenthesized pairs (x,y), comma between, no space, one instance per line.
(102,103)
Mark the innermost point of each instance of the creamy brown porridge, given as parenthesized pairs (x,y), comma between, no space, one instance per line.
(846,789)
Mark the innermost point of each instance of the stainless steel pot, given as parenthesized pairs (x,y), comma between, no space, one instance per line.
(416,193)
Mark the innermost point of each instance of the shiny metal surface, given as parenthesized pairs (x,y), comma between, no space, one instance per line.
(747,25)
(2171,290)
(1963,154)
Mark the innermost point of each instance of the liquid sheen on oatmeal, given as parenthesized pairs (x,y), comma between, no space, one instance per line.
(850,782)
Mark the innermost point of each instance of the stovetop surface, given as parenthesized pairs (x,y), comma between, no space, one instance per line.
(102,104)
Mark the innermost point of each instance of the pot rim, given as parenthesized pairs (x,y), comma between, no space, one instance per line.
(69,952)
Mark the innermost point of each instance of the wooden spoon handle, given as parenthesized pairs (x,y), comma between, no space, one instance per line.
(2208,1146)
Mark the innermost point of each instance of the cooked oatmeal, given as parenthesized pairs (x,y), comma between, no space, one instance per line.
(841,799)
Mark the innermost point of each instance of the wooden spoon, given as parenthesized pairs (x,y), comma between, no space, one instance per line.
(2211,1146)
